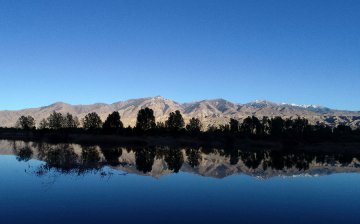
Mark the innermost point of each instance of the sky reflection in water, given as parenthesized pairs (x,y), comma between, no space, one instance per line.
(112,195)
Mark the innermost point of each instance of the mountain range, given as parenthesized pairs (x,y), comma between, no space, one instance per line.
(210,112)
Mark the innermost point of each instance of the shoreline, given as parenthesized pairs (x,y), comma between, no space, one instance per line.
(225,141)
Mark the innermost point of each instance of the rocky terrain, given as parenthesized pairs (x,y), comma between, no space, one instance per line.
(210,112)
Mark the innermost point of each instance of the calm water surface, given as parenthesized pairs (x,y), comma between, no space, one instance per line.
(42,183)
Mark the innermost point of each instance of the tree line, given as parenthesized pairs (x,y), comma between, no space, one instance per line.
(145,122)
(251,126)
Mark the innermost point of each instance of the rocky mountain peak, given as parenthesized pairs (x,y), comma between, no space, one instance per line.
(211,112)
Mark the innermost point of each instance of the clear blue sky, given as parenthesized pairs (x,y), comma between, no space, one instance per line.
(305,52)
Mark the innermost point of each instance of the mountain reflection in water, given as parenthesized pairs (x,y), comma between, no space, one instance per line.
(159,161)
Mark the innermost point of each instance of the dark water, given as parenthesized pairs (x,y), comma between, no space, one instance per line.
(42,183)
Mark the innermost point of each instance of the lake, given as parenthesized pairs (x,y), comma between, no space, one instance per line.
(69,183)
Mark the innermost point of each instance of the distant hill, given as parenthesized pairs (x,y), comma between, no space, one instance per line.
(210,112)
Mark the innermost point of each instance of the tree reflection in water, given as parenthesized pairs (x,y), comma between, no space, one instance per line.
(145,159)
(90,158)
(194,157)
(111,154)
(76,159)
(61,157)
(174,159)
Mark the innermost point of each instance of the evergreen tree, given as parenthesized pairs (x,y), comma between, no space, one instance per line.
(145,119)
(194,125)
(342,130)
(234,125)
(300,125)
(265,124)
(92,121)
(257,126)
(113,121)
(56,120)
(251,126)
(277,126)
(175,121)
(247,126)
(70,121)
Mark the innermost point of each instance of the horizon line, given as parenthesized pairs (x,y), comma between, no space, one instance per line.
(194,101)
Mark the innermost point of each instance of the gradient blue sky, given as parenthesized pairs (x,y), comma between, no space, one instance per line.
(305,52)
